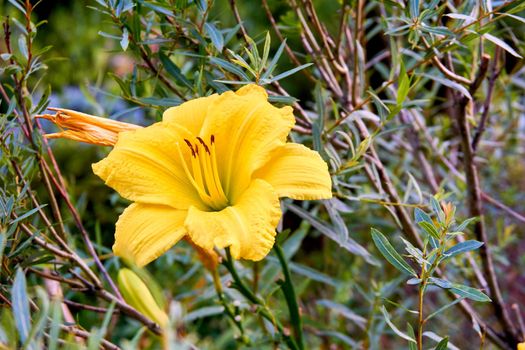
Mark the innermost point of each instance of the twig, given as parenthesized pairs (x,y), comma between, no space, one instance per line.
(86,335)
(130,311)
(443,69)
(521,324)
(475,210)
(238,18)
(79,306)
(494,73)
(287,48)
(56,277)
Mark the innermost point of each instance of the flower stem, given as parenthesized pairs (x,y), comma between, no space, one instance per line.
(291,298)
(262,309)
(231,314)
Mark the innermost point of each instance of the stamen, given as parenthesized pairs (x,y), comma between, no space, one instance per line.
(204,145)
(204,196)
(215,171)
(205,176)
(191,147)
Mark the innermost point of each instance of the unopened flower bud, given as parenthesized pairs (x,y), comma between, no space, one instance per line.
(137,294)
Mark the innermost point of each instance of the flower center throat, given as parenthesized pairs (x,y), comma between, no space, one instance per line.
(204,175)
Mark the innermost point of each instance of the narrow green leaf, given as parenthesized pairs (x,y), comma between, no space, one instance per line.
(202,312)
(430,229)
(27,214)
(443,344)
(460,16)
(22,46)
(404,84)
(159,9)
(215,35)
(20,305)
(469,292)
(313,274)
(413,6)
(437,30)
(39,319)
(18,6)
(414,281)
(266,50)
(394,328)
(390,254)
(273,62)
(230,67)
(411,334)
(443,308)
(174,71)
(451,84)
(436,208)
(343,311)
(56,321)
(421,216)
(502,44)
(462,247)
(464,224)
(441,283)
(124,41)
(286,100)
(12,105)
(289,72)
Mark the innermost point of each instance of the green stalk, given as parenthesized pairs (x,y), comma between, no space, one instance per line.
(227,308)
(291,298)
(262,309)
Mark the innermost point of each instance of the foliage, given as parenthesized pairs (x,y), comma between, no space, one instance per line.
(417,107)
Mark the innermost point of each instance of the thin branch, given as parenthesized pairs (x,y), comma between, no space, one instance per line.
(475,210)
(79,306)
(287,48)
(494,74)
(86,335)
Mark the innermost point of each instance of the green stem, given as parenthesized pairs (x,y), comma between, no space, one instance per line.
(425,275)
(291,298)
(421,321)
(231,314)
(262,309)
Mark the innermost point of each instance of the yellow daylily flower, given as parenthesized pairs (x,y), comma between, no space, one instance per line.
(521,346)
(213,171)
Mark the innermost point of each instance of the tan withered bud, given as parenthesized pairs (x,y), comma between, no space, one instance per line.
(86,128)
(209,258)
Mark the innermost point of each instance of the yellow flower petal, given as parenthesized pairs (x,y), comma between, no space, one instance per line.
(145,167)
(247,227)
(138,295)
(521,346)
(145,231)
(297,172)
(246,128)
(190,114)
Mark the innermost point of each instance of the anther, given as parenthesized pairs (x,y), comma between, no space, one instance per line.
(191,147)
(204,145)
(212,139)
